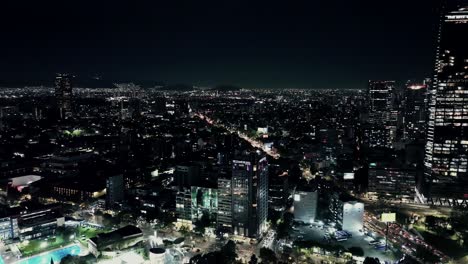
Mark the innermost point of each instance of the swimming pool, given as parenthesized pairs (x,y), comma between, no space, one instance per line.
(56,255)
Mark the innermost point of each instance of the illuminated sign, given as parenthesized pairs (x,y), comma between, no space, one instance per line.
(416,86)
(297,197)
(457,16)
(348,176)
(388,217)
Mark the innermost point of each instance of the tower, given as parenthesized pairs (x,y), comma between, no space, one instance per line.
(446,151)
(63,95)
(382,119)
(415,111)
(249,195)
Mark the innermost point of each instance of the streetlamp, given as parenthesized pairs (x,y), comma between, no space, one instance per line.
(387,218)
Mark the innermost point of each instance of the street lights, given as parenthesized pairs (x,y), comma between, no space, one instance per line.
(387,218)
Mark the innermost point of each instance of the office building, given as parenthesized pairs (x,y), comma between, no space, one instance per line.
(415,111)
(187,175)
(446,151)
(391,181)
(382,121)
(305,206)
(29,222)
(250,195)
(204,202)
(114,190)
(77,190)
(346,213)
(63,95)
(184,208)
(8,228)
(225,203)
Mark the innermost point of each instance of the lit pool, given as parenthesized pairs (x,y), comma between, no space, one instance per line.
(56,255)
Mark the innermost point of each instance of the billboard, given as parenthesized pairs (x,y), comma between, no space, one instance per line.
(348,176)
(388,217)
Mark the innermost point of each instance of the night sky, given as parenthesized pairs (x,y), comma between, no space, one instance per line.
(267,44)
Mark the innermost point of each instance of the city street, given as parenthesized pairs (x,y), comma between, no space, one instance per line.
(398,236)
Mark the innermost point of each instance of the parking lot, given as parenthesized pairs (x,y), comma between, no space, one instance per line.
(321,233)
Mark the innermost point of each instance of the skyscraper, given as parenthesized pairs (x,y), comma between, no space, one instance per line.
(415,111)
(63,95)
(225,203)
(114,190)
(250,195)
(382,122)
(446,153)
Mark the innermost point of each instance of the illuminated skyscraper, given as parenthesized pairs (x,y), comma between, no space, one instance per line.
(415,111)
(446,155)
(382,119)
(63,95)
(250,195)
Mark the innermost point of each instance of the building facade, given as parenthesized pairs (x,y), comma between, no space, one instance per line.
(63,95)
(347,214)
(225,203)
(114,190)
(446,151)
(305,206)
(392,182)
(382,123)
(250,196)
(415,111)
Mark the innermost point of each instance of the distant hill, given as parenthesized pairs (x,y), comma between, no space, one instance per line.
(226,88)
(177,87)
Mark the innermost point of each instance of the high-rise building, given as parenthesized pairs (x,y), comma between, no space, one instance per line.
(392,181)
(225,203)
(415,111)
(305,205)
(446,153)
(63,95)
(204,203)
(346,213)
(250,195)
(187,175)
(114,190)
(382,122)
(184,208)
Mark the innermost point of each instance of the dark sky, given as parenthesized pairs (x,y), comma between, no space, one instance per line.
(304,44)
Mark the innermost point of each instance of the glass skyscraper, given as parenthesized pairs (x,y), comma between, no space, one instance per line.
(250,195)
(446,153)
(381,128)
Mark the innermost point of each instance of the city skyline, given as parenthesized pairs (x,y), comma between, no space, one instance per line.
(113,167)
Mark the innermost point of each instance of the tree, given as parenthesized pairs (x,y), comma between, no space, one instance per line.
(253,259)
(284,226)
(430,222)
(267,255)
(369,260)
(109,220)
(69,259)
(229,251)
(196,259)
(459,222)
(356,251)
(203,223)
(184,230)
(426,255)
(64,232)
